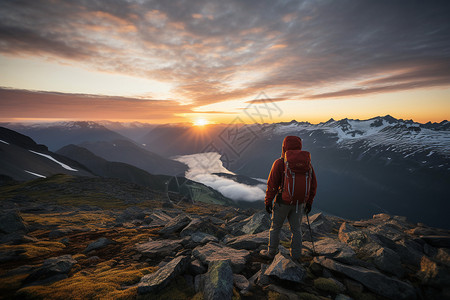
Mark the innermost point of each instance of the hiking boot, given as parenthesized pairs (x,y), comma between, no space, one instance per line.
(267,254)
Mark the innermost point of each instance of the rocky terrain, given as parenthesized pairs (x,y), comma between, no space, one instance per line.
(153,249)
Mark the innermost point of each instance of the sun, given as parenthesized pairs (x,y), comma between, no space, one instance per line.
(200,122)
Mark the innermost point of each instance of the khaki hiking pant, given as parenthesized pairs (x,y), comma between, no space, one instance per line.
(294,216)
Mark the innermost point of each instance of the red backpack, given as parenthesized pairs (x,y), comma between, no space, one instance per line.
(296,181)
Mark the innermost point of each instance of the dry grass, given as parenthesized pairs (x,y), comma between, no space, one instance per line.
(101,283)
(33,250)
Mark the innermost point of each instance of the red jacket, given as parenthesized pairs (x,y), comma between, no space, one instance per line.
(277,172)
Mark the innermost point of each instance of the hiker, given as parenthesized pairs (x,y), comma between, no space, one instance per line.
(292,182)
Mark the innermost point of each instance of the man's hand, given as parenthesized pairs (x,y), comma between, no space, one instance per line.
(307,208)
(269,208)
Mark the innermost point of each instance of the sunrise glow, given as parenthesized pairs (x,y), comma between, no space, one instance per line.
(201,122)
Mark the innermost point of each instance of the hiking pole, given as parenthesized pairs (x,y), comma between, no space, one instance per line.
(310,233)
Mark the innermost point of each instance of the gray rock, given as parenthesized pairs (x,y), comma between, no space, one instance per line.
(160,248)
(389,261)
(11,255)
(284,268)
(176,224)
(203,238)
(321,224)
(375,281)
(196,267)
(352,236)
(438,241)
(52,269)
(336,249)
(249,241)
(98,244)
(257,223)
(199,225)
(241,282)
(218,281)
(131,213)
(11,221)
(159,218)
(59,232)
(158,280)
(214,251)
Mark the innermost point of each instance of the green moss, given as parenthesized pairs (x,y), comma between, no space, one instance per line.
(276,296)
(327,285)
(308,296)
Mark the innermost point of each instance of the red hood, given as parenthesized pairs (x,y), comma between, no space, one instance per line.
(291,142)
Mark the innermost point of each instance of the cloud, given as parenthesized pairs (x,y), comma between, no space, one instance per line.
(298,47)
(32,104)
(202,165)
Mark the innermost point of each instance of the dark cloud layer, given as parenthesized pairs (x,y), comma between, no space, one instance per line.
(213,49)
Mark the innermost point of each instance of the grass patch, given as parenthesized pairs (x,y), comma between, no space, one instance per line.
(103,283)
(32,250)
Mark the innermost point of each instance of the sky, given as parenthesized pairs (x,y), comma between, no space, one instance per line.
(222,61)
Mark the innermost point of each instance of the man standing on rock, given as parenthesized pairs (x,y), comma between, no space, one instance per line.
(293,181)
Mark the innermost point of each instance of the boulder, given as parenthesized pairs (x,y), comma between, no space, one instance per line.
(214,251)
(249,241)
(352,236)
(53,269)
(389,261)
(257,223)
(285,269)
(100,243)
(160,248)
(336,249)
(199,225)
(158,218)
(203,238)
(11,221)
(241,282)
(218,281)
(375,281)
(176,224)
(156,281)
(196,267)
(320,224)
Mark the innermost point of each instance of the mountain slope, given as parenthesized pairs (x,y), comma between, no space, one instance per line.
(58,134)
(130,153)
(104,168)
(22,159)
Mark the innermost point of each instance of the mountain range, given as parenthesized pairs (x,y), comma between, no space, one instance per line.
(363,166)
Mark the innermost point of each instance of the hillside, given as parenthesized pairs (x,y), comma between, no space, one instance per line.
(104,238)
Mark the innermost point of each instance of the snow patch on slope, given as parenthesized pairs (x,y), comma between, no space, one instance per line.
(56,161)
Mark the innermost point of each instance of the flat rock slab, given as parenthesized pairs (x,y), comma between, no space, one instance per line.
(334,248)
(216,252)
(176,224)
(249,241)
(375,281)
(100,243)
(54,267)
(439,241)
(159,248)
(284,268)
(156,281)
(11,221)
(257,223)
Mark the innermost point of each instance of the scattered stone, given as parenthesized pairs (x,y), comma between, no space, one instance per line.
(203,238)
(11,221)
(214,251)
(285,269)
(249,241)
(160,248)
(257,223)
(65,241)
(218,281)
(389,261)
(336,249)
(375,281)
(159,218)
(176,224)
(93,260)
(53,269)
(196,267)
(98,244)
(158,280)
(241,282)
